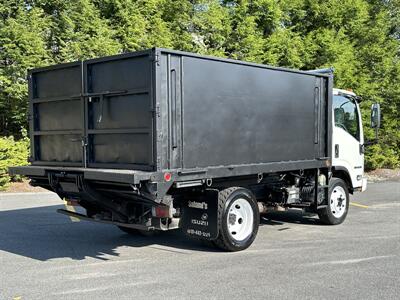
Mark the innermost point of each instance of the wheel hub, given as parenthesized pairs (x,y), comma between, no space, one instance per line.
(338,202)
(232,219)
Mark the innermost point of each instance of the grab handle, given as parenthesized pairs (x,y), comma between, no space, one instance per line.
(316,115)
(173,109)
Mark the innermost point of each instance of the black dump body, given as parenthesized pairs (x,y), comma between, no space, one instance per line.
(126,120)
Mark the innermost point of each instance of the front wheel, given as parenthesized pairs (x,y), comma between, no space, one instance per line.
(238,219)
(336,210)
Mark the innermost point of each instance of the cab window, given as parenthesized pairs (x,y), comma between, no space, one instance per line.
(346,115)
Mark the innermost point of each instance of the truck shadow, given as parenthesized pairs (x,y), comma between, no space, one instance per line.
(291,216)
(42,234)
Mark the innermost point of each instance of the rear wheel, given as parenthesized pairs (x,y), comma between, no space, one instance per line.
(338,206)
(238,219)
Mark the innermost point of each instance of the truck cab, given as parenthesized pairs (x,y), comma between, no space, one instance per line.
(348,140)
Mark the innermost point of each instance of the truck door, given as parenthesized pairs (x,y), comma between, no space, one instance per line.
(348,150)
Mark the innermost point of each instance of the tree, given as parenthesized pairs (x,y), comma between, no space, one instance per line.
(23,34)
(211,28)
(138,24)
(359,38)
(246,39)
(77,31)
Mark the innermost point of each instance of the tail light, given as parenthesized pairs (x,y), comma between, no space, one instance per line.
(161,211)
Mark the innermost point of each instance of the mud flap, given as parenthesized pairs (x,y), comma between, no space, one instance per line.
(200,215)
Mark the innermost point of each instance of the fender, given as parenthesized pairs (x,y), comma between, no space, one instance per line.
(343,173)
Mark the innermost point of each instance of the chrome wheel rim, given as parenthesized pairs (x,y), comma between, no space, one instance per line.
(240,219)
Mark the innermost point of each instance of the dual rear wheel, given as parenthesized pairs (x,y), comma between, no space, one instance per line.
(238,219)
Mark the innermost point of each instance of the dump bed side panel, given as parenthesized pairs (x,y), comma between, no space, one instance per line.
(242,114)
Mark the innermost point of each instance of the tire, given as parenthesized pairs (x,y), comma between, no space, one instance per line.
(133,231)
(338,203)
(238,219)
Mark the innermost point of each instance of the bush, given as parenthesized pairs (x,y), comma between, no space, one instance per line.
(381,156)
(12,153)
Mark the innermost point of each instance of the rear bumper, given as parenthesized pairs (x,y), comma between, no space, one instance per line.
(110,175)
(75,182)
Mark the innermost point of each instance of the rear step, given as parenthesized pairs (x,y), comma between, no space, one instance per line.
(86,218)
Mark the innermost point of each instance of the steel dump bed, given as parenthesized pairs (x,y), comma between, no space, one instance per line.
(133,117)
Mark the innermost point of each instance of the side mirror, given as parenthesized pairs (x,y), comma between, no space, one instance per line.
(375,116)
(375,122)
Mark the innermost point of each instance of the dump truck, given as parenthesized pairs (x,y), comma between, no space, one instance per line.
(160,140)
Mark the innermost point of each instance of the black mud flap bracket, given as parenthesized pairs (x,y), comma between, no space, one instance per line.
(200,215)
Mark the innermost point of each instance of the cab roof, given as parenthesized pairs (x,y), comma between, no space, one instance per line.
(345,92)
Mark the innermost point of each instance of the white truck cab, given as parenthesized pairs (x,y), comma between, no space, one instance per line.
(348,139)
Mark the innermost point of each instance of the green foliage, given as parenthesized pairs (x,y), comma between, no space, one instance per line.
(359,38)
(22,46)
(12,153)
(137,24)
(77,31)
(381,156)
(211,28)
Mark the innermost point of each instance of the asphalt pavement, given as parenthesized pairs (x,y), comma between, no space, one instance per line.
(45,255)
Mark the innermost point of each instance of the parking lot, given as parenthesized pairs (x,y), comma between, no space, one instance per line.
(45,255)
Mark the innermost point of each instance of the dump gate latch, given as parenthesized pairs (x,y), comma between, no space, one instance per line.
(84,142)
(101,108)
(155,58)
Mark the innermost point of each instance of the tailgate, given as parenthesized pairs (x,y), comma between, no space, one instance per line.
(96,113)
(110,175)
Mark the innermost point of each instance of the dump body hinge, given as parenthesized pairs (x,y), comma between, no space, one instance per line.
(155,58)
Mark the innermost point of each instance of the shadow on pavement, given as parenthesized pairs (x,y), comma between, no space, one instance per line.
(41,233)
(291,216)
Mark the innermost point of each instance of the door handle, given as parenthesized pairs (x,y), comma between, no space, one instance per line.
(336,150)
